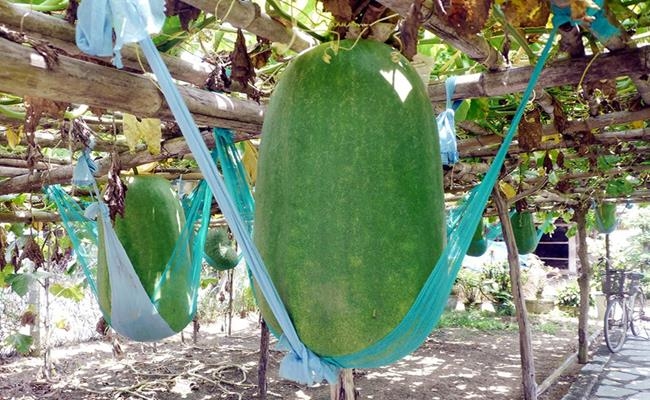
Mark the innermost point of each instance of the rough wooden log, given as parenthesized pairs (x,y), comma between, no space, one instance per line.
(474,46)
(28,217)
(487,146)
(580,217)
(34,182)
(529,386)
(248,16)
(632,62)
(61,34)
(23,71)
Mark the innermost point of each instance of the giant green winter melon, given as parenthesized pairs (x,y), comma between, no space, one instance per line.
(349,199)
(478,245)
(525,233)
(606,217)
(148,231)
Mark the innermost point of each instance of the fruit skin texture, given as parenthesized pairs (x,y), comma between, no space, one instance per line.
(152,222)
(478,245)
(525,232)
(349,198)
(606,217)
(220,250)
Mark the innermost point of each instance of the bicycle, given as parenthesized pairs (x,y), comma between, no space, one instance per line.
(625,307)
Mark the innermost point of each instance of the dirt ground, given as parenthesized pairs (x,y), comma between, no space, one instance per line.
(452,364)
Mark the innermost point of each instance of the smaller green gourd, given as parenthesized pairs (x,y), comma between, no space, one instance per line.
(220,252)
(478,245)
(523,227)
(606,221)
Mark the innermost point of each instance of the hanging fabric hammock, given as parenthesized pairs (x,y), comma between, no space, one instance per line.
(301,364)
(139,313)
(129,308)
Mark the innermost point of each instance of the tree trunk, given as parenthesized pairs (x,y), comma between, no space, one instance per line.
(579,216)
(344,388)
(525,343)
(34,301)
(264,360)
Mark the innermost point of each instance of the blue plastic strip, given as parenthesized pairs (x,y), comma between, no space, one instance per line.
(601,27)
(447,127)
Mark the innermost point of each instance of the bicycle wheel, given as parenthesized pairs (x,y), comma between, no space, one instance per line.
(615,324)
(637,305)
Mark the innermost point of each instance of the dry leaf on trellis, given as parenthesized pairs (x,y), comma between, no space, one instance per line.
(115,193)
(37,107)
(560,159)
(526,13)
(186,13)
(242,68)
(529,134)
(32,251)
(14,136)
(548,163)
(408,30)
(261,53)
(147,129)
(507,189)
(341,10)
(468,16)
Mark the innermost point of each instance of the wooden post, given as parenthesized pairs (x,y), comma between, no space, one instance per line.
(525,343)
(344,388)
(264,360)
(230,299)
(579,216)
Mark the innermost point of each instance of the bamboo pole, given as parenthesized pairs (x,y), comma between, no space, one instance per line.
(529,386)
(62,34)
(630,62)
(23,71)
(248,16)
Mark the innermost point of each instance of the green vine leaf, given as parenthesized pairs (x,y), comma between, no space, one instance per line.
(19,283)
(74,292)
(22,343)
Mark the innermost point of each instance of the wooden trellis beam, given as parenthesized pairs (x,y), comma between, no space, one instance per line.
(61,34)
(600,138)
(248,16)
(474,46)
(631,62)
(26,183)
(23,71)
(485,145)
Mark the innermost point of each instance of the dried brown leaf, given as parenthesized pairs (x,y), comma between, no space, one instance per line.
(529,134)
(28,318)
(468,16)
(409,30)
(560,159)
(186,13)
(33,252)
(261,54)
(242,71)
(341,10)
(548,163)
(526,13)
(115,189)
